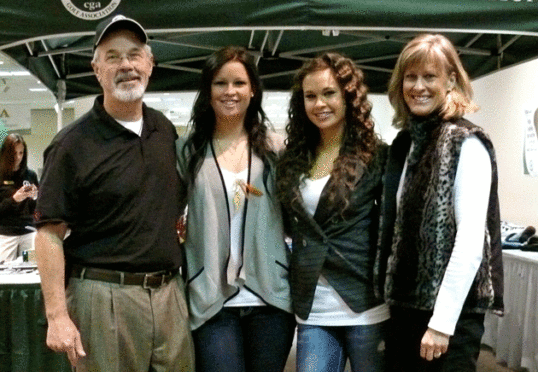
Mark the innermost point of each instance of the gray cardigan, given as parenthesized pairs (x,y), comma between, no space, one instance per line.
(207,245)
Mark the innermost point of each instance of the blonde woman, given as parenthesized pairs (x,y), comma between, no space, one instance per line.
(440,256)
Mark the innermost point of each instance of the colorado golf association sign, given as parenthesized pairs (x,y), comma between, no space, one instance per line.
(90,10)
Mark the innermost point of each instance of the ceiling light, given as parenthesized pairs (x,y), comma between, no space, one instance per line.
(14,73)
(37,89)
(329,32)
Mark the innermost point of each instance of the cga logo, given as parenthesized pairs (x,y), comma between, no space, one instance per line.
(90,10)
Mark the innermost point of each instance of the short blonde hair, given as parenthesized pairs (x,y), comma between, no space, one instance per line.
(439,50)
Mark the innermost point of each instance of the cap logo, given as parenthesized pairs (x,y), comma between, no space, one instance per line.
(90,10)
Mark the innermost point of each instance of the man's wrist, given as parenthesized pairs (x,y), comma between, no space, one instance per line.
(54,315)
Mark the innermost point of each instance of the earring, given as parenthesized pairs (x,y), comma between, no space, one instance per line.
(251,95)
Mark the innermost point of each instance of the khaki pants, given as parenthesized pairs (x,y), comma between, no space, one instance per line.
(126,328)
(12,246)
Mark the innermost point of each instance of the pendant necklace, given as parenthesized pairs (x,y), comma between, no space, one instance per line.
(240,186)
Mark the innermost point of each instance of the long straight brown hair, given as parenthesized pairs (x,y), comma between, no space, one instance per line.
(7,155)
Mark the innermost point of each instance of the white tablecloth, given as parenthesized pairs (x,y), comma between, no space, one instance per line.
(20,273)
(514,337)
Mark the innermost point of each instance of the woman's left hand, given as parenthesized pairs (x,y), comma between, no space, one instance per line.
(433,344)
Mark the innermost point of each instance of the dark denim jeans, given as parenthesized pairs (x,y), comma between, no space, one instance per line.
(326,349)
(407,329)
(244,339)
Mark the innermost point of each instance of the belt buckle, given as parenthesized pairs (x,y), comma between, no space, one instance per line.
(145,282)
(82,272)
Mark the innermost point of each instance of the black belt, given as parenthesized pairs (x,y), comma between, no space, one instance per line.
(146,280)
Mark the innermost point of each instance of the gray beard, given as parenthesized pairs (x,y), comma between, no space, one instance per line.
(129,95)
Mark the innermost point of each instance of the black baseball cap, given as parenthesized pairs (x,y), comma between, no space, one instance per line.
(118,22)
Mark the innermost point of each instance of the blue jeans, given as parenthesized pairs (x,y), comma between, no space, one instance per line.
(325,349)
(244,339)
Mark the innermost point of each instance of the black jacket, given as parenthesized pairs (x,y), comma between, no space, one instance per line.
(340,247)
(14,217)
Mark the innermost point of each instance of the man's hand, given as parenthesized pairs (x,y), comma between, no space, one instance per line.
(63,336)
(433,344)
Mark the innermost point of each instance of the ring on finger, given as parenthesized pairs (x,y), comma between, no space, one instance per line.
(437,354)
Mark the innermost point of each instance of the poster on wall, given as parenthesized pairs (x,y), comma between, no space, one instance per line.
(15,117)
(530,144)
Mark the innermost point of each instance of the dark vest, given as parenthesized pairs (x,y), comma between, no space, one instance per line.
(426,230)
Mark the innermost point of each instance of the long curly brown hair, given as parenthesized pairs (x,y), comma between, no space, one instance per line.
(359,140)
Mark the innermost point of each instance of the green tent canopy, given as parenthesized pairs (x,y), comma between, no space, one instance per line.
(53,39)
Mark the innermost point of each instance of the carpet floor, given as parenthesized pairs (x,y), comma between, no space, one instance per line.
(486,362)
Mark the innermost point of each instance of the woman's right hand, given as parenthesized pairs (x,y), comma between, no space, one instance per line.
(26,191)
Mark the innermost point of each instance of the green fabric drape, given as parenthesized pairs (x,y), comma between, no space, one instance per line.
(54,39)
(23,331)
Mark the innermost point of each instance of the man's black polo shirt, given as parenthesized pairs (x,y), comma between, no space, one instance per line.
(117,192)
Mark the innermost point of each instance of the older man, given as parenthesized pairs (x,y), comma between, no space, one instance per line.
(107,247)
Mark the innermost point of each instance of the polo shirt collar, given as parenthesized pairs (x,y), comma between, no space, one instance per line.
(108,127)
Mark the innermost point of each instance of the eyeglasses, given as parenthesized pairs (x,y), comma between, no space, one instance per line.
(117,58)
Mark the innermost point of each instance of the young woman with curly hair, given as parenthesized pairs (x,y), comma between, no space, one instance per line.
(18,190)
(329,182)
(237,259)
